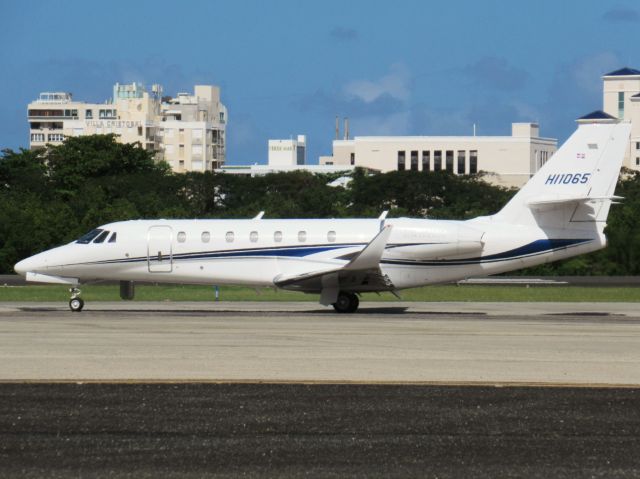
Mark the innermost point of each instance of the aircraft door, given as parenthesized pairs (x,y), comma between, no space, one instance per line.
(159,253)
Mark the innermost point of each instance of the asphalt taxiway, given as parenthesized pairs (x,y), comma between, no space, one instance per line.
(487,343)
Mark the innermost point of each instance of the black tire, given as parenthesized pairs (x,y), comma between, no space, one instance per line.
(76,304)
(346,303)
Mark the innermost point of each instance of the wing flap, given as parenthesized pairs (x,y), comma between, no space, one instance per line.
(363,268)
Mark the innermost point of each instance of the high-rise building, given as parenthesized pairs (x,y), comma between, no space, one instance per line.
(188,131)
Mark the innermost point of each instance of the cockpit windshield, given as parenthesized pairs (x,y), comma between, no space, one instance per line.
(101,237)
(86,239)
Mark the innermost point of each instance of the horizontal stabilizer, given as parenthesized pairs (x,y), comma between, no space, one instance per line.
(551,200)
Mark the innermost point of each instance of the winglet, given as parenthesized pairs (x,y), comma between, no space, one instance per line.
(259,216)
(369,257)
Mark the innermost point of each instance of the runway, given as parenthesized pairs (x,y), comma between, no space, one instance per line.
(444,390)
(585,344)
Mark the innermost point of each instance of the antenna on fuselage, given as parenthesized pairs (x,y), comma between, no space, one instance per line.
(259,216)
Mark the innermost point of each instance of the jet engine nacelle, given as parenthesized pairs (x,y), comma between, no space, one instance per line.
(438,240)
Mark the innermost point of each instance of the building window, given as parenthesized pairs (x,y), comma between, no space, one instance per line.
(55,137)
(205,236)
(253,236)
(353,158)
(88,114)
(331,236)
(182,237)
(621,105)
(401,160)
(302,236)
(473,162)
(37,137)
(450,161)
(637,161)
(426,159)
(277,236)
(437,160)
(637,145)
(414,160)
(461,161)
(229,236)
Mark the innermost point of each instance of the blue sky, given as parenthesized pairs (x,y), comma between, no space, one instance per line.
(289,67)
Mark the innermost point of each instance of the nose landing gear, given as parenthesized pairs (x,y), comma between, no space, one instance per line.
(76,303)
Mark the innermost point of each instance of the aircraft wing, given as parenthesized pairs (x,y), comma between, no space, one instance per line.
(363,269)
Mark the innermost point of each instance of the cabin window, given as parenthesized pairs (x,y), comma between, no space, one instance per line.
(86,239)
(182,237)
(101,237)
(113,237)
(277,236)
(331,236)
(229,236)
(253,236)
(205,236)
(302,236)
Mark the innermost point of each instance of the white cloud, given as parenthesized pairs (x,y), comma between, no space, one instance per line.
(394,124)
(395,84)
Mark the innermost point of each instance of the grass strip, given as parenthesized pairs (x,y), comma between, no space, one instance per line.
(466,293)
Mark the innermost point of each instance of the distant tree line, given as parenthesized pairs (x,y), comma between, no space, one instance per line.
(51,196)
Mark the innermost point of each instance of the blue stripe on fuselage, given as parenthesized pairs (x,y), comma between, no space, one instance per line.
(532,249)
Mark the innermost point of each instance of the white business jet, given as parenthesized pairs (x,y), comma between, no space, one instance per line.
(561,212)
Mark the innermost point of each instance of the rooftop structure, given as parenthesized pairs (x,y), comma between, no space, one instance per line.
(288,152)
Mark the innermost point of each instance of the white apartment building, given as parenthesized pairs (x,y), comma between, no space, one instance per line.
(621,100)
(509,160)
(288,152)
(188,131)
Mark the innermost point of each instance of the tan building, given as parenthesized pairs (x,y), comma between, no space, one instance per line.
(621,99)
(287,153)
(188,132)
(510,160)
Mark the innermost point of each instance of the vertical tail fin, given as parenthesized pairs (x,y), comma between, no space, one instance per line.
(574,189)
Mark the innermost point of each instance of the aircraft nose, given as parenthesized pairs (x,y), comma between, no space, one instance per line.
(28,264)
(21,267)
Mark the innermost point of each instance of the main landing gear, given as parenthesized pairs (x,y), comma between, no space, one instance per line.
(346,302)
(75,303)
